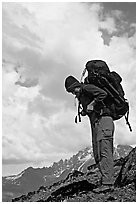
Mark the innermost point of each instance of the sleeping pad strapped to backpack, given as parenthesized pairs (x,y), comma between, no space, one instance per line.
(100,75)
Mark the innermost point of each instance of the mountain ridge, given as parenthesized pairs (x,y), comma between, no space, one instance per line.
(31,178)
(78,186)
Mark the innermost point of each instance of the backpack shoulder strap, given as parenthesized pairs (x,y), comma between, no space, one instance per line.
(82,75)
(79,112)
(127,122)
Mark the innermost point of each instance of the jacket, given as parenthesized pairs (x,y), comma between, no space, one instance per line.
(90,92)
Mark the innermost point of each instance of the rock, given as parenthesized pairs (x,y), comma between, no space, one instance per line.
(111,198)
(127,173)
(74,175)
(78,186)
(70,190)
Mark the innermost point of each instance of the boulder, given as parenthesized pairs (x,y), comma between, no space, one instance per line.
(127,173)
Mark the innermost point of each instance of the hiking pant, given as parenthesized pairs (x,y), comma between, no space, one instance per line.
(102,142)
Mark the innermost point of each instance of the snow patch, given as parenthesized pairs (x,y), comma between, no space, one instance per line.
(45,178)
(15,176)
(85,160)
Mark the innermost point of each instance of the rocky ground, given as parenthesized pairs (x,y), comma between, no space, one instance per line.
(78,186)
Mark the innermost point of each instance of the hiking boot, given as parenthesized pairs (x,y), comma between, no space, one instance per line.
(103,189)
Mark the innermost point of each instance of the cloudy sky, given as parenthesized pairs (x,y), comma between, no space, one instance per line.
(43,43)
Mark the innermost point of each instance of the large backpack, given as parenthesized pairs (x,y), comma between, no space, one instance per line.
(100,75)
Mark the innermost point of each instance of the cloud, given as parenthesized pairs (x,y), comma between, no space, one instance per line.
(33,124)
(43,43)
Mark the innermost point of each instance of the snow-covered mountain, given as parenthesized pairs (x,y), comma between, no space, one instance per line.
(32,178)
(78,186)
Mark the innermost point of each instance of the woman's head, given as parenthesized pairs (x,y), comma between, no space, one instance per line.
(72,84)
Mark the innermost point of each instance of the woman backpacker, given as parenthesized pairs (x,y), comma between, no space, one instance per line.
(93,103)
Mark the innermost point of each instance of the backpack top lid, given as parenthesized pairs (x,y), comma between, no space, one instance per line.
(97,64)
(71,83)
